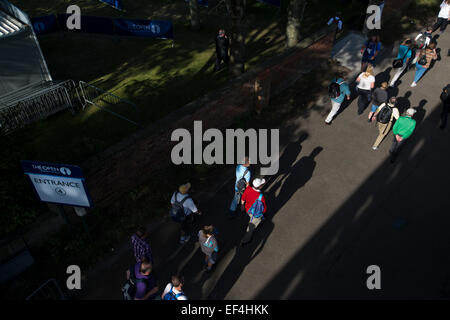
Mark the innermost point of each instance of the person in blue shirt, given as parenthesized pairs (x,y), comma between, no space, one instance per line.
(243,176)
(370,51)
(344,91)
(405,53)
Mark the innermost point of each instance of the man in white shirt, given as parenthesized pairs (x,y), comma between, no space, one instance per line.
(443,17)
(173,290)
(182,197)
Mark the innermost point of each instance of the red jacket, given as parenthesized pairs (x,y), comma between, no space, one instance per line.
(249,196)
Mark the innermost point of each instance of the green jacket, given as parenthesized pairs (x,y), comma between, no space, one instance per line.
(404,127)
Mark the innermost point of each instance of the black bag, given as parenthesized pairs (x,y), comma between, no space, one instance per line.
(398,63)
(423,60)
(385,114)
(129,288)
(334,90)
(242,183)
(177,210)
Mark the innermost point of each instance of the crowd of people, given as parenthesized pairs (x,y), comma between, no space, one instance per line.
(248,197)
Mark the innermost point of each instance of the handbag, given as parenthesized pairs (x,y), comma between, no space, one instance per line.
(423,60)
(398,63)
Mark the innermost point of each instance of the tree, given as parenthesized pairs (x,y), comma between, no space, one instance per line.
(236,11)
(195,20)
(296,10)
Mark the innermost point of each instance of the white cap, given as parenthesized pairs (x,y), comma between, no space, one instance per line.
(411,111)
(258,182)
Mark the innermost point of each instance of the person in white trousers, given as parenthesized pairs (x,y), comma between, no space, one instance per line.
(404,53)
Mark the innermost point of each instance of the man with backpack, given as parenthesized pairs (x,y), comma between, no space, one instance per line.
(182,211)
(401,62)
(422,41)
(380,96)
(385,115)
(141,284)
(173,290)
(243,176)
(254,204)
(445,98)
(337,91)
(403,128)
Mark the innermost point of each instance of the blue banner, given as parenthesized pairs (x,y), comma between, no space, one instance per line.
(44,24)
(144,28)
(275,3)
(114,3)
(89,24)
(203,3)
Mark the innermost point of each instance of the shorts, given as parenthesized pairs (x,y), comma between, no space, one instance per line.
(368,59)
(212,258)
(374,108)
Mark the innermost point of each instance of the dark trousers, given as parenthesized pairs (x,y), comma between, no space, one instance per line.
(364,98)
(442,23)
(186,225)
(219,59)
(395,147)
(444,114)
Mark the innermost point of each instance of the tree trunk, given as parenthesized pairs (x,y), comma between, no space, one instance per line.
(296,10)
(195,20)
(236,10)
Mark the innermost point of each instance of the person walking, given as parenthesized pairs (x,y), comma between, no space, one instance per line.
(445,98)
(254,204)
(142,277)
(243,176)
(174,289)
(401,62)
(385,115)
(141,247)
(380,96)
(421,41)
(443,17)
(208,245)
(403,129)
(366,82)
(182,211)
(338,89)
(424,58)
(222,45)
(369,51)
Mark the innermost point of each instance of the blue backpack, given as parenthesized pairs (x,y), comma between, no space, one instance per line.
(257,208)
(172,295)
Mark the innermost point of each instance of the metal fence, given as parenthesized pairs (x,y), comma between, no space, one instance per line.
(36,102)
(109,102)
(50,290)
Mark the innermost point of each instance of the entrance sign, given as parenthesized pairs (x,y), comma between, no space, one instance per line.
(58,183)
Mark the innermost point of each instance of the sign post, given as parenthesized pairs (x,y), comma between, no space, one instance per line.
(60,184)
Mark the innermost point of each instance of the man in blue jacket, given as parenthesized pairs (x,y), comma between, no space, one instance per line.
(338,90)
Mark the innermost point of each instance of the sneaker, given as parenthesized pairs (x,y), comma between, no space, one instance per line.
(182,239)
(374,148)
(328,123)
(413,84)
(186,239)
(369,120)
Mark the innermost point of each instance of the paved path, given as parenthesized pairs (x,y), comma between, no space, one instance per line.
(335,208)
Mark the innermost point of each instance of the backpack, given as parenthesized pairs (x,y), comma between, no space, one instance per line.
(129,288)
(257,208)
(172,295)
(421,41)
(177,210)
(242,183)
(334,90)
(385,114)
(423,59)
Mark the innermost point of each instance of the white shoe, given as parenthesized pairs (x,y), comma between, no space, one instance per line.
(374,148)
(413,84)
